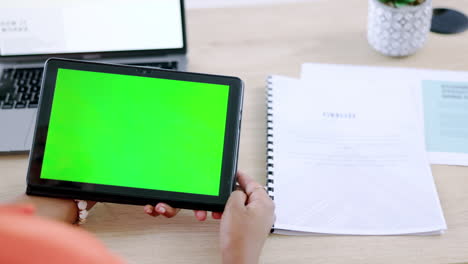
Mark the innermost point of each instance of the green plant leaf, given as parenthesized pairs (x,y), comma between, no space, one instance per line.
(406,1)
(400,3)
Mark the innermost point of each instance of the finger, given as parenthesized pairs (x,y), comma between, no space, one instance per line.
(237,199)
(166,210)
(149,210)
(200,215)
(247,183)
(216,215)
(259,193)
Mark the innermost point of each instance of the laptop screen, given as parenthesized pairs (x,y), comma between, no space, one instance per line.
(90,26)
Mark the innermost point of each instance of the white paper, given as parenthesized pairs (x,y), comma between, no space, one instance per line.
(411,78)
(346,161)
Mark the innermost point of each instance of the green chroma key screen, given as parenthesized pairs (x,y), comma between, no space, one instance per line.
(136,132)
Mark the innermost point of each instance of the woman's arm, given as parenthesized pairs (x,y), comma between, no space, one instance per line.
(66,210)
(63,210)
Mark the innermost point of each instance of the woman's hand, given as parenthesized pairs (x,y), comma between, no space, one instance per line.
(161,209)
(63,210)
(169,212)
(246,222)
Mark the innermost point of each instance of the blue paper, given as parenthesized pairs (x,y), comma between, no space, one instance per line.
(446,116)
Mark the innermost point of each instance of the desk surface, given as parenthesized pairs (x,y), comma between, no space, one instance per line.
(252,42)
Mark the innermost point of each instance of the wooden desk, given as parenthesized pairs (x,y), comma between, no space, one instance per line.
(253,42)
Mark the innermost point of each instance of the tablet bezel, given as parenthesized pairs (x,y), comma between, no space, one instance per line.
(117,194)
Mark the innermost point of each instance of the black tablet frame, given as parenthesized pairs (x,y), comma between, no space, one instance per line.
(116,194)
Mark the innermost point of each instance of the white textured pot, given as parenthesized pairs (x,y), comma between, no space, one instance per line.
(398,31)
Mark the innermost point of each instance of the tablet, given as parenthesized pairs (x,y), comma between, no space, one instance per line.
(136,135)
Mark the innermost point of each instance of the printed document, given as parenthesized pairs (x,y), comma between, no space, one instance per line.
(445,106)
(442,96)
(350,160)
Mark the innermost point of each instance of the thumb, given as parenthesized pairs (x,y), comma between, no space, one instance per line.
(237,199)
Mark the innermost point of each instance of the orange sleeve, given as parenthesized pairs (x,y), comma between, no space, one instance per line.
(25,239)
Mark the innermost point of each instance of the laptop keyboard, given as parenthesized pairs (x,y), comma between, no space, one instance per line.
(170,65)
(20,88)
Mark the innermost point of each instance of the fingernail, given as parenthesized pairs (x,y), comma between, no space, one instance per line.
(161,210)
(148,210)
(199,215)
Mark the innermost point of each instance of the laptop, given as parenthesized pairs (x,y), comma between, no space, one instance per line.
(138,32)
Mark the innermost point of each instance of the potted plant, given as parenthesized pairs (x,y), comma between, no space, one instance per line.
(398,27)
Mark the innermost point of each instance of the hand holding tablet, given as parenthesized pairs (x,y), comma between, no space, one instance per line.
(136,135)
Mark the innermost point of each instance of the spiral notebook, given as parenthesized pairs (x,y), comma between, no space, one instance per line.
(344,160)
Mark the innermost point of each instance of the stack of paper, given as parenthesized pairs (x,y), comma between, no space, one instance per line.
(347,148)
(441,96)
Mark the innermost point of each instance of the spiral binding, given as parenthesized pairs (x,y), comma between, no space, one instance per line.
(270,145)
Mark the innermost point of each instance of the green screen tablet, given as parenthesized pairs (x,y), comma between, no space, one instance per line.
(138,129)
(116,127)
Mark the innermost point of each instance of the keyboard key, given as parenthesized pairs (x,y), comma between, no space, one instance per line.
(7,74)
(16,75)
(164,65)
(32,105)
(8,105)
(6,85)
(20,104)
(173,65)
